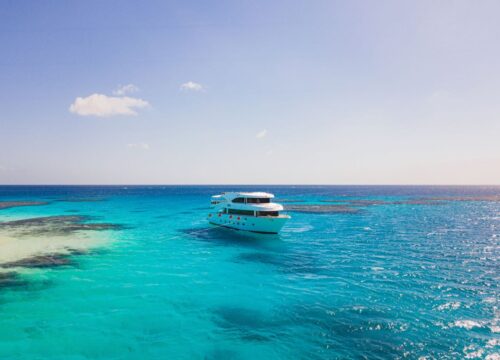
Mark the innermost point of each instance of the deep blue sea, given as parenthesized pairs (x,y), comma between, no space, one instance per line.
(410,273)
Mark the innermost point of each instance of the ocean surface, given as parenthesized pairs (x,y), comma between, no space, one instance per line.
(361,272)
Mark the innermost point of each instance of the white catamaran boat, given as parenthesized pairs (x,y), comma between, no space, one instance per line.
(249,211)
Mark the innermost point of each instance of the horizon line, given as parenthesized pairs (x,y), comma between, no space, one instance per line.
(261,184)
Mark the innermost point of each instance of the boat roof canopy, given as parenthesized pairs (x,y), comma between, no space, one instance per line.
(257,194)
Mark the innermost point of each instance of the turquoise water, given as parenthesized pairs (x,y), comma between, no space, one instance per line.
(393,280)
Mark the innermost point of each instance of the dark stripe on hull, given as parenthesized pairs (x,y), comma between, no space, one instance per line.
(253,231)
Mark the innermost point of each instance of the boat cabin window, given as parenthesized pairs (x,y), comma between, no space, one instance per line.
(240,212)
(252,200)
(258,200)
(267,213)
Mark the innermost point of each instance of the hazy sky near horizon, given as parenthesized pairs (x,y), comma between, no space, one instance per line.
(302,92)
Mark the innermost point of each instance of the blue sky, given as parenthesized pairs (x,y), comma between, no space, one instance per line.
(196,92)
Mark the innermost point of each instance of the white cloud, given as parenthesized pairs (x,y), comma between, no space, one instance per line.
(105,106)
(261,134)
(141,146)
(125,89)
(192,86)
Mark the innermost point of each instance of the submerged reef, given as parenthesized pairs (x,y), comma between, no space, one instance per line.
(366,202)
(351,206)
(12,204)
(10,279)
(493,198)
(41,261)
(261,258)
(372,202)
(322,209)
(46,242)
(417,202)
(428,200)
(443,200)
(55,225)
(81,199)
(248,324)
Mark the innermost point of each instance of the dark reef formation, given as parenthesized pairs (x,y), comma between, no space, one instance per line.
(55,225)
(322,209)
(41,261)
(11,204)
(417,202)
(33,236)
(97,199)
(10,279)
(414,201)
(493,198)
(47,226)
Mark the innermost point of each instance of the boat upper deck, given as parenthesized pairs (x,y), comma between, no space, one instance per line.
(257,201)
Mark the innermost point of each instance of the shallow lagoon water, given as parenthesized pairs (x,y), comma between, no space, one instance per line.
(397,278)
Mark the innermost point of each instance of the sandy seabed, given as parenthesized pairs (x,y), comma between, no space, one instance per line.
(18,247)
(24,242)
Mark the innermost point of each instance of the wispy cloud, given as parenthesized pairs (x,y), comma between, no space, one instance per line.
(105,106)
(192,86)
(141,146)
(125,89)
(261,134)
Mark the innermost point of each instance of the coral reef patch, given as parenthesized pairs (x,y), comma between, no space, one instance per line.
(12,204)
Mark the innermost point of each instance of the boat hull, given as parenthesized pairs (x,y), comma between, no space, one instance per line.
(261,224)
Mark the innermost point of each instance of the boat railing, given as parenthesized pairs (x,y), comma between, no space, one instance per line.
(280,216)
